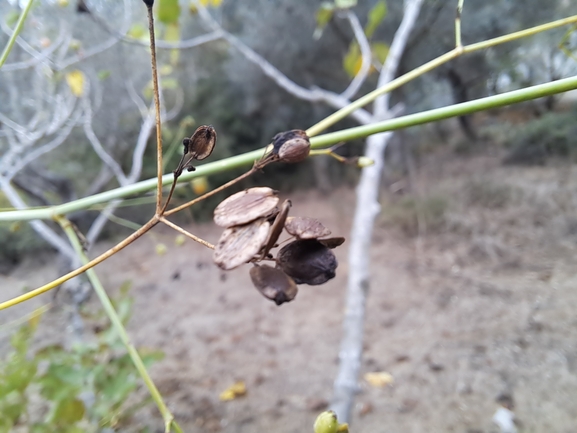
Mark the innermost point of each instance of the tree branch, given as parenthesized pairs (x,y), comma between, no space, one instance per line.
(350,354)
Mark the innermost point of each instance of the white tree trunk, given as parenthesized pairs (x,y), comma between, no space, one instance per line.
(350,354)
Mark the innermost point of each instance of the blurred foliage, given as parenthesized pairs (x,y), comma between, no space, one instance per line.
(551,135)
(87,388)
(416,215)
(487,193)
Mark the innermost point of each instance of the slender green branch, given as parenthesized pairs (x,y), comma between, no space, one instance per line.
(15,33)
(117,324)
(248,158)
(458,42)
(482,104)
(403,79)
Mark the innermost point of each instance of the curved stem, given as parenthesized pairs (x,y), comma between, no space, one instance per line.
(117,324)
(15,33)
(53,284)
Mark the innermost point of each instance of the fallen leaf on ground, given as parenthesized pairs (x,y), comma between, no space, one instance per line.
(234,391)
(379,379)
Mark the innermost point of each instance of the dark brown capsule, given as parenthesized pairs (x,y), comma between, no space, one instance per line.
(306,228)
(307,261)
(245,206)
(239,244)
(198,147)
(273,283)
(291,146)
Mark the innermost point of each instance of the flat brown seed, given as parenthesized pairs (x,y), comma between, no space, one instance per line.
(273,283)
(306,228)
(237,245)
(332,242)
(245,206)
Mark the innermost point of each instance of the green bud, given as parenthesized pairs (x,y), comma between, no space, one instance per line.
(326,422)
(364,161)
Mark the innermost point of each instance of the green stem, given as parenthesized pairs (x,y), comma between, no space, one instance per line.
(248,158)
(118,326)
(15,33)
(403,79)
(464,108)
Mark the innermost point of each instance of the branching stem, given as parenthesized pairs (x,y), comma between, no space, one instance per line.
(117,324)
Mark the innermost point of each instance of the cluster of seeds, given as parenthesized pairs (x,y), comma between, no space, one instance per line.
(253,222)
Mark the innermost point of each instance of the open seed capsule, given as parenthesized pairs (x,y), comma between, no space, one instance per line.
(239,244)
(245,206)
(307,261)
(291,146)
(273,283)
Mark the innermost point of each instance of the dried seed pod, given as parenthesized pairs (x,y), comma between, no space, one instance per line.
(306,228)
(332,242)
(273,283)
(239,244)
(245,206)
(199,146)
(307,261)
(291,146)
(277,226)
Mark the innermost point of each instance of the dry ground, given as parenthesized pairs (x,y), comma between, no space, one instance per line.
(482,304)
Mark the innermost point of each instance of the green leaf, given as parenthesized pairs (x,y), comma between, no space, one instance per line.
(376,16)
(353,60)
(324,15)
(68,411)
(168,11)
(380,51)
(12,17)
(103,75)
(137,31)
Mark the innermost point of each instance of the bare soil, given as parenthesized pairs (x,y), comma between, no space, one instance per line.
(483,305)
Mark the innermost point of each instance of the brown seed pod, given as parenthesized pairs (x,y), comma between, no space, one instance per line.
(273,283)
(291,146)
(332,242)
(245,206)
(307,261)
(239,244)
(199,146)
(276,228)
(306,228)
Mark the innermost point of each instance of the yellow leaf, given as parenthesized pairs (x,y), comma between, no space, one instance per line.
(179,240)
(234,391)
(216,3)
(199,185)
(75,80)
(379,379)
(353,60)
(15,227)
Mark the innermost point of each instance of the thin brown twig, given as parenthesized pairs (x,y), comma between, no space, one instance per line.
(255,168)
(53,284)
(157,107)
(169,196)
(186,233)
